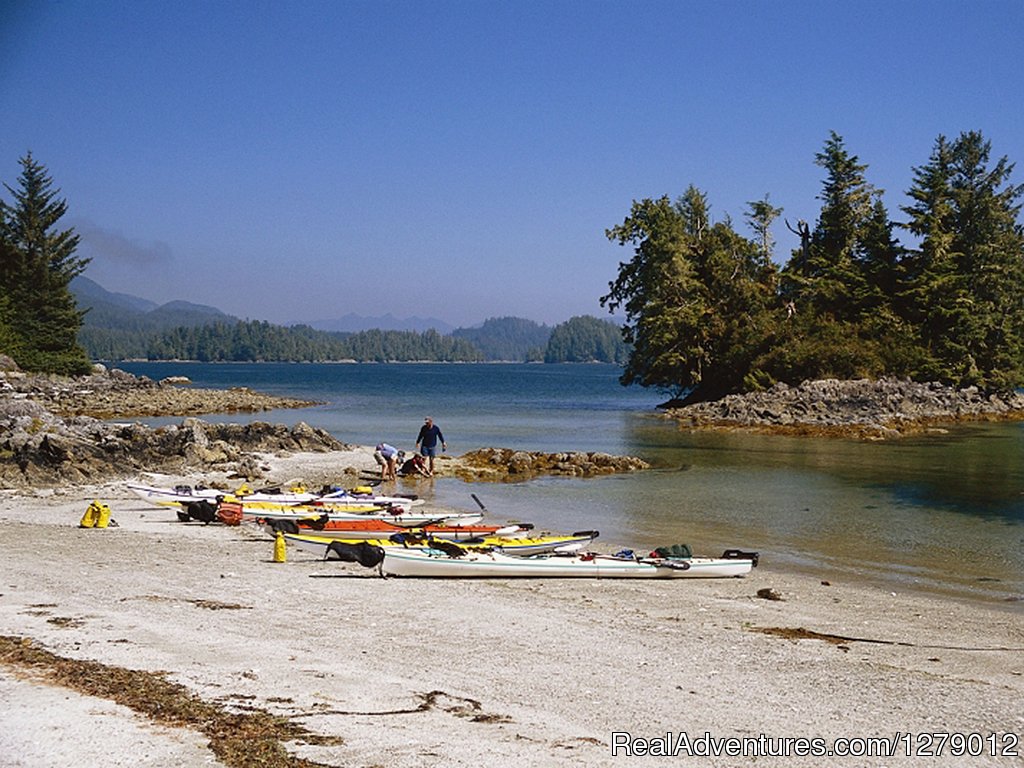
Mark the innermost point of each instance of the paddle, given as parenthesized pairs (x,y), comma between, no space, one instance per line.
(424,524)
(523,526)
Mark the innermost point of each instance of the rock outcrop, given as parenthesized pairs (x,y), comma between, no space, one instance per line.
(116,394)
(504,464)
(38,448)
(56,430)
(860,408)
(45,439)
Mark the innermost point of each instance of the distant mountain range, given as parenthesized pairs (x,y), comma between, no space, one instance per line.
(108,309)
(119,326)
(121,310)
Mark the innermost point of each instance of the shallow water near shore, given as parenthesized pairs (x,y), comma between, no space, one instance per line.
(941,512)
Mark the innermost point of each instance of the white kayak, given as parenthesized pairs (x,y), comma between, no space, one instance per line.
(436,563)
(338,498)
(353,495)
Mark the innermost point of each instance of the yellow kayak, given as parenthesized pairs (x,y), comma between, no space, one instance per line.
(519,545)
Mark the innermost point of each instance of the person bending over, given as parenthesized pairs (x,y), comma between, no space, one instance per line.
(387,457)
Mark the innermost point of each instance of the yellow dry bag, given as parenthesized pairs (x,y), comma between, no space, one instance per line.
(92,516)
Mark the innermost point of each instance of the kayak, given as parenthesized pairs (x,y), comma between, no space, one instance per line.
(358,494)
(321,546)
(185,494)
(334,504)
(381,529)
(399,561)
(270,499)
(394,515)
(338,501)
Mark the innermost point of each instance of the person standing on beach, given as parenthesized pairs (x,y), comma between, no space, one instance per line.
(426,443)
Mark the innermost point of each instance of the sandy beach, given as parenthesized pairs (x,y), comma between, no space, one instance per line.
(392,672)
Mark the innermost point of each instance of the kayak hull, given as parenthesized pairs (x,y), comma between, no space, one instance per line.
(435,564)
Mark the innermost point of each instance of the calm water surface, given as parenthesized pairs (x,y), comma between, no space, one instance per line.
(942,512)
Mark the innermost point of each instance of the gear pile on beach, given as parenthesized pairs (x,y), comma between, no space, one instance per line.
(400,536)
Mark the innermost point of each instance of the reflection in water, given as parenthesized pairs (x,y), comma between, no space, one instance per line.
(941,512)
(974,470)
(936,510)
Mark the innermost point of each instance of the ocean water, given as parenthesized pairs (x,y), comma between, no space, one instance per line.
(942,512)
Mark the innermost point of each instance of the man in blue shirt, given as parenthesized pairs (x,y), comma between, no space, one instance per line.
(426,443)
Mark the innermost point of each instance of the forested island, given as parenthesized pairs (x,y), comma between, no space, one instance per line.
(506,339)
(710,313)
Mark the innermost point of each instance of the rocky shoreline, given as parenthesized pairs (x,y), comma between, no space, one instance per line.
(505,464)
(58,430)
(861,408)
(116,394)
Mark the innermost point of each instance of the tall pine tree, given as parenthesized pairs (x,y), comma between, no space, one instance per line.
(834,279)
(37,264)
(832,286)
(967,294)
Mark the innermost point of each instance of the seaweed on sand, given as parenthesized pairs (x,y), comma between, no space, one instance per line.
(239,740)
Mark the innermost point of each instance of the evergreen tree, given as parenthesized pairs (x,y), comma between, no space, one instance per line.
(882,320)
(835,286)
(761,214)
(660,293)
(968,281)
(935,283)
(38,263)
(10,340)
(697,298)
(833,278)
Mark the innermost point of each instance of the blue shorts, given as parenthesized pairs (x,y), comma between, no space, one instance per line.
(431,452)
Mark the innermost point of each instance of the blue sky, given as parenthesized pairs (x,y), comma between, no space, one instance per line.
(296,161)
